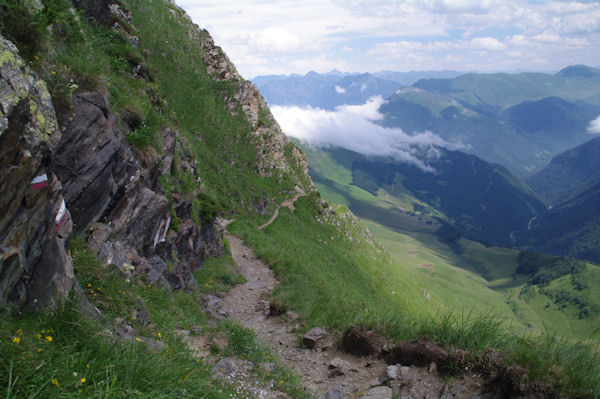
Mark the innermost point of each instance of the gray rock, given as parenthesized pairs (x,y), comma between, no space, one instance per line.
(380,392)
(333,393)
(392,372)
(34,223)
(311,339)
(337,363)
(225,366)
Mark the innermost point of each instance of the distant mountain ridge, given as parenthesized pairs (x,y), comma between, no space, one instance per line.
(517,120)
(324,91)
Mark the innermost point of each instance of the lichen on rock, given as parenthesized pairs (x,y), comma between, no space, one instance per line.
(35,268)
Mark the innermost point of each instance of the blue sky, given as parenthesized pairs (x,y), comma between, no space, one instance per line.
(281,37)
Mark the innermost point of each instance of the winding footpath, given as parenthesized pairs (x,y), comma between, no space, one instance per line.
(289,203)
(326,371)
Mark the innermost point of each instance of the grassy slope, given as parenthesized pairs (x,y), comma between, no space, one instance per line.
(480,280)
(313,259)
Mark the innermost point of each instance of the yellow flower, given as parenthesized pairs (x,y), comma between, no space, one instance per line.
(54,382)
(39,350)
(38,336)
(82,380)
(48,338)
(16,340)
(87,366)
(53,72)
(19,332)
(137,339)
(159,335)
(281,382)
(89,284)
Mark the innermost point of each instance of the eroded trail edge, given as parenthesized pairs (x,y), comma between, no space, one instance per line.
(247,304)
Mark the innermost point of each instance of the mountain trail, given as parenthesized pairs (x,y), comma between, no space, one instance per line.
(244,303)
(328,372)
(289,203)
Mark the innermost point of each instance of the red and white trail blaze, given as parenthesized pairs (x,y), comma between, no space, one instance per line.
(39,182)
(60,216)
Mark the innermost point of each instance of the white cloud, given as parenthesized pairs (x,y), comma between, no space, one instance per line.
(353,127)
(286,36)
(594,127)
(275,40)
(339,90)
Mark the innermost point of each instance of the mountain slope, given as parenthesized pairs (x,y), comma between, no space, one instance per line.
(113,206)
(571,228)
(485,201)
(517,120)
(569,173)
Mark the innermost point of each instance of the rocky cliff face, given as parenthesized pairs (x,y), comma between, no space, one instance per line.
(84,178)
(87,180)
(34,222)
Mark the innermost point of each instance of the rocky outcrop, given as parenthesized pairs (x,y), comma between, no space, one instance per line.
(121,204)
(87,179)
(272,143)
(35,268)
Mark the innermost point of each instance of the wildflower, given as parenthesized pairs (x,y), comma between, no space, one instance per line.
(38,336)
(87,366)
(54,382)
(36,57)
(48,338)
(53,72)
(89,285)
(39,350)
(82,380)
(159,335)
(19,332)
(137,339)
(16,340)
(281,381)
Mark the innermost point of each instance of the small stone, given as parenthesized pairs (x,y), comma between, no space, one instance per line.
(335,373)
(379,392)
(225,366)
(432,368)
(337,363)
(333,393)
(312,338)
(392,372)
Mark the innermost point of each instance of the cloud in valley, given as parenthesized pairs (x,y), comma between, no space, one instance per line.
(594,127)
(353,127)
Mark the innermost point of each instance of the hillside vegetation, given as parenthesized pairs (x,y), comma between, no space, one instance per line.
(196,141)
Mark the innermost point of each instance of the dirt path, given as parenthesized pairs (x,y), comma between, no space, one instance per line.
(244,303)
(289,203)
(326,372)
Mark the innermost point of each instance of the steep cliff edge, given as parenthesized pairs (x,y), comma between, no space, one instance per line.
(94,183)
